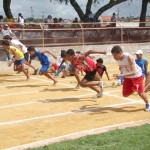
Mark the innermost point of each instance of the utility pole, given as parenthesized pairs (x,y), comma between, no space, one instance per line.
(32,14)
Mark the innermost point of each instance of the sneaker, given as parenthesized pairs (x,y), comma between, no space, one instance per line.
(36,71)
(99,95)
(147,107)
(101,85)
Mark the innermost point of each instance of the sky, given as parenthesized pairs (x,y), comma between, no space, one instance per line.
(44,7)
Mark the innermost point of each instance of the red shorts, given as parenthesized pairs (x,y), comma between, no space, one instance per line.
(55,66)
(132,84)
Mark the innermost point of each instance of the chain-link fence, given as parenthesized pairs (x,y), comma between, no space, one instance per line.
(56,34)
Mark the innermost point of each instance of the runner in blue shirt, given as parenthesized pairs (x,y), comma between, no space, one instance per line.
(44,60)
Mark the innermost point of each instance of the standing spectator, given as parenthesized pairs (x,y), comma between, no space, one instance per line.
(113,20)
(6,31)
(1,18)
(91,17)
(50,21)
(61,22)
(21,23)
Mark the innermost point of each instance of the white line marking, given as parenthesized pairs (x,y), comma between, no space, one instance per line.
(62,114)
(48,99)
(139,101)
(20,84)
(79,134)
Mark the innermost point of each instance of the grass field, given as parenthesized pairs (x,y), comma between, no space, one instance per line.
(135,138)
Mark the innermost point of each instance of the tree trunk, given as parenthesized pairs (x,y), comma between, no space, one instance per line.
(143,13)
(88,7)
(7,10)
(107,6)
(77,8)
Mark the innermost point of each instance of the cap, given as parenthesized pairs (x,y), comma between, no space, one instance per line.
(6,25)
(139,52)
(7,37)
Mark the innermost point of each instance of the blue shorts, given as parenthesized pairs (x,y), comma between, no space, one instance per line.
(44,68)
(19,62)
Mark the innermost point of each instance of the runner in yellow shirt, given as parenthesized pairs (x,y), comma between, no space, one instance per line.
(18,58)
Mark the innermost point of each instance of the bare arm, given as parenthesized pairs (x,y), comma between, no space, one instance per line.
(146,68)
(46,51)
(94,52)
(130,73)
(107,75)
(14,58)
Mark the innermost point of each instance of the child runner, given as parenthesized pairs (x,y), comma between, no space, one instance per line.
(45,62)
(18,58)
(101,68)
(23,48)
(142,62)
(132,74)
(90,69)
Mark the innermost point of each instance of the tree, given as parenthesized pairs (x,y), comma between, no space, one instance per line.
(143,12)
(83,15)
(7,10)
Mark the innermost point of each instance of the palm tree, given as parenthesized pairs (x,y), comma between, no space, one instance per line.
(143,12)
(7,10)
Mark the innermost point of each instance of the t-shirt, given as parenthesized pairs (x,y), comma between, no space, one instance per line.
(101,69)
(141,63)
(41,57)
(17,43)
(125,67)
(18,52)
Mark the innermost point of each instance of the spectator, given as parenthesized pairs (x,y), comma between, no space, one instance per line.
(50,21)
(75,23)
(61,22)
(1,18)
(6,31)
(21,24)
(91,17)
(113,20)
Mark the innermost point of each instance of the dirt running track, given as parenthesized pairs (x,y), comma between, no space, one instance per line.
(32,111)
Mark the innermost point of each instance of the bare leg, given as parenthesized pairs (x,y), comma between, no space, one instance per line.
(147,83)
(25,71)
(50,77)
(144,97)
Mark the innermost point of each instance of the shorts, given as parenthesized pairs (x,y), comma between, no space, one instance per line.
(90,75)
(27,57)
(132,84)
(44,68)
(19,62)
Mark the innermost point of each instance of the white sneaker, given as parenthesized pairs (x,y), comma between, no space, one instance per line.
(98,96)
(101,85)
(147,108)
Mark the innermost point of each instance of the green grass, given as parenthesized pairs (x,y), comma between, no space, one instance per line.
(137,138)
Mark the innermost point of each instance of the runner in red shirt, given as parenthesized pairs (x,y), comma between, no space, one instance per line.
(89,67)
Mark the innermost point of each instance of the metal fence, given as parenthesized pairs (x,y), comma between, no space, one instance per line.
(58,34)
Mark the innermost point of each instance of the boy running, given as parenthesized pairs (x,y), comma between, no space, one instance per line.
(101,68)
(23,48)
(89,68)
(132,74)
(18,58)
(45,62)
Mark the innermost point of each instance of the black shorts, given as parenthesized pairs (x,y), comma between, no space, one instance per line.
(27,57)
(90,75)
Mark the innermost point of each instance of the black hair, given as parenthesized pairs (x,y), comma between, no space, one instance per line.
(116,49)
(31,48)
(70,52)
(7,37)
(100,60)
(4,42)
(78,52)
(63,53)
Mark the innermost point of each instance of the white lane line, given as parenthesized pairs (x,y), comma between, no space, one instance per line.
(76,135)
(20,84)
(63,114)
(40,100)
(11,94)
(124,98)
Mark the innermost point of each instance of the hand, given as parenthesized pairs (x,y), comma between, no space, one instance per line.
(9,64)
(117,75)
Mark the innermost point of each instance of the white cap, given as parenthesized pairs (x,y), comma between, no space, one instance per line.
(139,52)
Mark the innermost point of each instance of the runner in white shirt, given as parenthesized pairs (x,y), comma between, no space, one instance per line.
(23,48)
(132,74)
